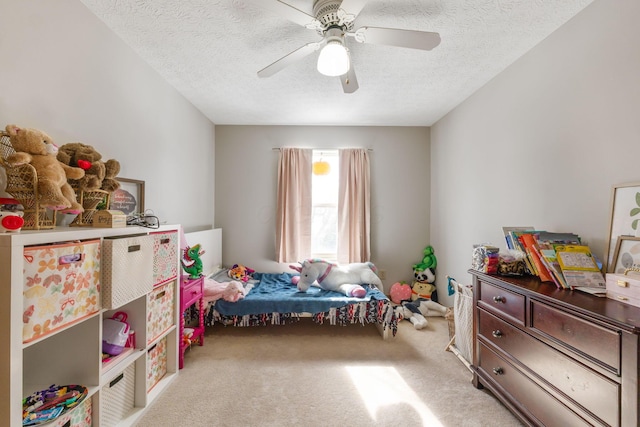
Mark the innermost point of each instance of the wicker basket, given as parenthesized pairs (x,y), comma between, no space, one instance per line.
(89,201)
(22,185)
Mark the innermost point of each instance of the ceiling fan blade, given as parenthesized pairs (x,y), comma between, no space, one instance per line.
(394,37)
(289,59)
(288,12)
(349,81)
(353,7)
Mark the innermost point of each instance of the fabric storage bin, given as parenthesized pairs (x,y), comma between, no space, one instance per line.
(165,258)
(156,363)
(117,399)
(624,287)
(160,310)
(127,269)
(61,286)
(80,416)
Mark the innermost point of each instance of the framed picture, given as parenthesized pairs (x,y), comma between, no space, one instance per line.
(129,198)
(627,254)
(625,217)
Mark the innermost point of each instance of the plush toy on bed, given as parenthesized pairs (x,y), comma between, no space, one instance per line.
(229,291)
(346,279)
(240,272)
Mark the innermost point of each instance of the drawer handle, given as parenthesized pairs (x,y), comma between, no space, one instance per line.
(499,299)
(70,259)
(622,283)
(497,333)
(498,371)
(116,380)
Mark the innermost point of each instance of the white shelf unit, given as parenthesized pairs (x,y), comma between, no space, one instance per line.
(72,354)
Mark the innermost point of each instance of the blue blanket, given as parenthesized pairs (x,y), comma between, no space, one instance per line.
(274,293)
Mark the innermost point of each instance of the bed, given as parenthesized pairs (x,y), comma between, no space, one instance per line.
(272,298)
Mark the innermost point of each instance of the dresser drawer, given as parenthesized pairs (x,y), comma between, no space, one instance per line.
(584,386)
(502,301)
(190,292)
(548,411)
(592,341)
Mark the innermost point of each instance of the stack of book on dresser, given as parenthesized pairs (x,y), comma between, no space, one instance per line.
(560,258)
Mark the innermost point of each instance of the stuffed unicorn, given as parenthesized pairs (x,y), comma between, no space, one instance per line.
(344,279)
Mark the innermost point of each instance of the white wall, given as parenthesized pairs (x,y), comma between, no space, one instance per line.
(64,72)
(544,142)
(246,180)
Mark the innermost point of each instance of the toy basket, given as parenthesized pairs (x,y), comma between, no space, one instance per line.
(21,184)
(461,326)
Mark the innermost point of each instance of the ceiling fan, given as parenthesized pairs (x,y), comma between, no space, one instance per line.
(333,21)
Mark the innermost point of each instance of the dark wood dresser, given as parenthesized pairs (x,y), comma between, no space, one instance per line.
(556,357)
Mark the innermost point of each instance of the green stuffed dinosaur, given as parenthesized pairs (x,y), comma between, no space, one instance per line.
(191,262)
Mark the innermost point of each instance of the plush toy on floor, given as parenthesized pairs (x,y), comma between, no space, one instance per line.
(424,273)
(423,286)
(400,292)
(424,294)
(417,311)
(428,260)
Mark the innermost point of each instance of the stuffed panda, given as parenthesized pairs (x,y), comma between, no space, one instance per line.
(423,286)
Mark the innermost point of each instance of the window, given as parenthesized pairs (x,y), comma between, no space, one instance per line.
(324,212)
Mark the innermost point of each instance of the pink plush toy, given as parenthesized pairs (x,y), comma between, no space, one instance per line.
(233,292)
(399,292)
(228,291)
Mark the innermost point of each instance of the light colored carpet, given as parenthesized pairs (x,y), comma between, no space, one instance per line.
(305,374)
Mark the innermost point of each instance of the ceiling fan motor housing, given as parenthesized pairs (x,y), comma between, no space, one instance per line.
(326,12)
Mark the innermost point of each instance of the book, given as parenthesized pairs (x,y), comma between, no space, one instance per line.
(597,291)
(530,243)
(548,255)
(579,268)
(576,257)
(516,238)
(509,238)
(559,238)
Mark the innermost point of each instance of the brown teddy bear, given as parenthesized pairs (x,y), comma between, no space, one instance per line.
(98,175)
(35,147)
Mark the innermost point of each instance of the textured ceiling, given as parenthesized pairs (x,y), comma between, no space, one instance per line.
(211,50)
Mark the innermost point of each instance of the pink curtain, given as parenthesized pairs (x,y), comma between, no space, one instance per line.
(354,206)
(293,227)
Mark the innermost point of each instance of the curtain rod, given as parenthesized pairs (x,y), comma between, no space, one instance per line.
(278,148)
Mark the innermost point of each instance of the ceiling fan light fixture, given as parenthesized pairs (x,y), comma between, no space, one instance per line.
(334,59)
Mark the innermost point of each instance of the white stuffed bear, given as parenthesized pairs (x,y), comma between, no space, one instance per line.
(417,311)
